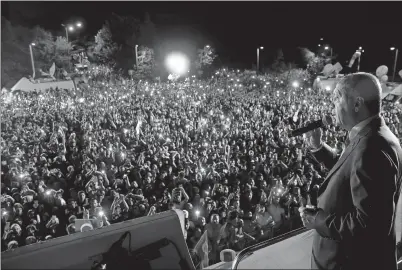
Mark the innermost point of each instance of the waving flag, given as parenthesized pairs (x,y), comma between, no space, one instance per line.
(52,70)
(353,59)
(138,127)
(201,248)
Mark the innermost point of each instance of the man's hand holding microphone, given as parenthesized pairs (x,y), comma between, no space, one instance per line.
(313,139)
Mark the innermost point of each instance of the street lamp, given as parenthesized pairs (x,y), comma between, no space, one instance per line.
(177,63)
(328,48)
(258,58)
(360,51)
(71,28)
(136,56)
(396,58)
(32,59)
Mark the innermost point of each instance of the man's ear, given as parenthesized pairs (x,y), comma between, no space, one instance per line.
(359,103)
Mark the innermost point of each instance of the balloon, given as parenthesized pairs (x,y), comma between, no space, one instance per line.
(384,78)
(400,73)
(381,71)
(337,68)
(328,69)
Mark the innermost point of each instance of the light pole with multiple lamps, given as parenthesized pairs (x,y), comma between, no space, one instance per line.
(32,59)
(396,58)
(258,58)
(71,28)
(326,47)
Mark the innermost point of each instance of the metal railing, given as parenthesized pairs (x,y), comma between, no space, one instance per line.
(249,251)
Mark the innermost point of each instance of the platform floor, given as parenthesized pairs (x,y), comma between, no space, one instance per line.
(292,253)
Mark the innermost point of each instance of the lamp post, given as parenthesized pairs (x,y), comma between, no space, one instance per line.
(396,58)
(329,48)
(360,51)
(321,40)
(258,58)
(136,57)
(71,28)
(32,59)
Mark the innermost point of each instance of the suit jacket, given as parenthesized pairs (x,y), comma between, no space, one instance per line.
(354,228)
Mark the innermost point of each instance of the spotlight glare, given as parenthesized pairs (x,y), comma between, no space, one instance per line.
(177,63)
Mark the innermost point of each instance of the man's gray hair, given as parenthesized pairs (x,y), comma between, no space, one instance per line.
(371,94)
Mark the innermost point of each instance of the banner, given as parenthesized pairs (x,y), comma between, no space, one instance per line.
(83,225)
(52,70)
(138,128)
(201,248)
(354,57)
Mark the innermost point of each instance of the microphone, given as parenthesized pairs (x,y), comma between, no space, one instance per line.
(325,121)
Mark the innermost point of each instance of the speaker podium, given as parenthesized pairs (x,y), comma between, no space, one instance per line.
(81,250)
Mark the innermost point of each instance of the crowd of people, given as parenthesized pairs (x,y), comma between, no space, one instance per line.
(110,152)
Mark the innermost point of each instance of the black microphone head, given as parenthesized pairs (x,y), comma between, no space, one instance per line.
(328,120)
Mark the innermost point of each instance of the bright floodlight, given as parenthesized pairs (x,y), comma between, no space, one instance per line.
(262,48)
(70,28)
(295,84)
(79,24)
(360,48)
(33,44)
(326,47)
(177,63)
(392,48)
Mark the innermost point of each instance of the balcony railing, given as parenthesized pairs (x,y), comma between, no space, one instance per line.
(250,250)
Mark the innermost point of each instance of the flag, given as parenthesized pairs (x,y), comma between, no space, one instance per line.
(201,248)
(138,128)
(354,57)
(52,70)
(295,116)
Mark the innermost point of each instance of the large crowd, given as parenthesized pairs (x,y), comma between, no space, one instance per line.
(110,152)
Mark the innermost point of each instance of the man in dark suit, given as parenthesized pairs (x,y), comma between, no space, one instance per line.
(354,217)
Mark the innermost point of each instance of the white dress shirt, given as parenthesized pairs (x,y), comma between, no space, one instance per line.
(359,127)
(354,131)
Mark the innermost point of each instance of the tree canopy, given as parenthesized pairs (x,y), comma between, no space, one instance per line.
(16,61)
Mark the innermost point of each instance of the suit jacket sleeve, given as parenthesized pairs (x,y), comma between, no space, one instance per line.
(326,155)
(372,185)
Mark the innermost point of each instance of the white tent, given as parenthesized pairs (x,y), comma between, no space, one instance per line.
(26,85)
(391,93)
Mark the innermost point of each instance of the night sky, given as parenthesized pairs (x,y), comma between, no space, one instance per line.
(236,29)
